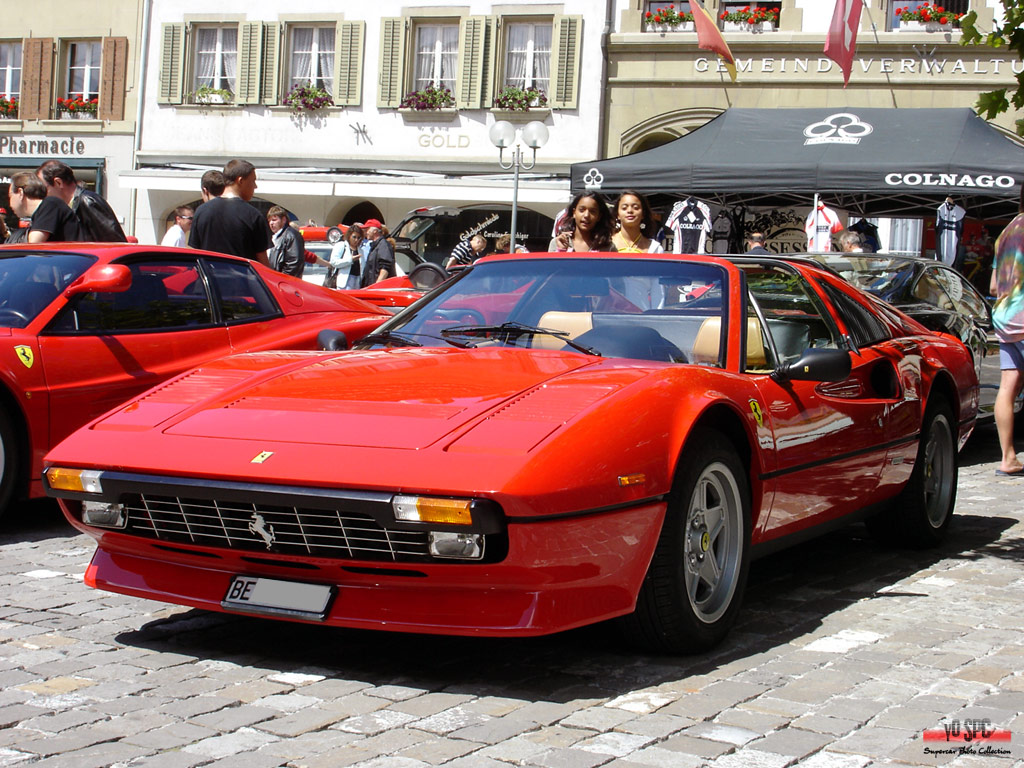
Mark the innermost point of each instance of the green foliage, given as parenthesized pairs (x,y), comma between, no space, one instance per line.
(520,100)
(1008,35)
(206,94)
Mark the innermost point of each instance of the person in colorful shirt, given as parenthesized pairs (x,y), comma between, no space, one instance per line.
(1008,320)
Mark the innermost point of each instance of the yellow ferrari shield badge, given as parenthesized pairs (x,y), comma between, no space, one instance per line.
(755,408)
(25,354)
(262,456)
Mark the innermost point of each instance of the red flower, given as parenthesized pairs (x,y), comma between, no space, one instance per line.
(649,14)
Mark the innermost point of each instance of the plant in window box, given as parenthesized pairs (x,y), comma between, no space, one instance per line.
(516,99)
(307,98)
(8,108)
(927,15)
(77,107)
(750,18)
(207,94)
(431,98)
(668,19)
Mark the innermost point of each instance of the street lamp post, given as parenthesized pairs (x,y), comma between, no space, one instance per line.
(503,134)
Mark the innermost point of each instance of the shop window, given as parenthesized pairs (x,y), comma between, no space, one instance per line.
(528,55)
(215,64)
(312,57)
(10,70)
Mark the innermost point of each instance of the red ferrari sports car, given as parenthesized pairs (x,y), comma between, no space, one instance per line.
(89,326)
(581,437)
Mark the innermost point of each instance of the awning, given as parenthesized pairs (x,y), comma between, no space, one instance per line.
(879,162)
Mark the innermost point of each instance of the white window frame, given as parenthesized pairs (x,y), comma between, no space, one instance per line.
(90,67)
(421,78)
(321,75)
(10,70)
(220,78)
(530,78)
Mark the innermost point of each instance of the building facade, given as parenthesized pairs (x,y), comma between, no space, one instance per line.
(68,91)
(220,83)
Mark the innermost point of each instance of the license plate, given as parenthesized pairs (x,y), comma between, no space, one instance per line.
(274,597)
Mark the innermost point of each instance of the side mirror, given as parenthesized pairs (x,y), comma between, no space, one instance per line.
(332,341)
(112,278)
(816,365)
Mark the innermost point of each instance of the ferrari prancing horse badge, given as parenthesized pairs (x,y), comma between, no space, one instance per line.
(25,355)
(755,408)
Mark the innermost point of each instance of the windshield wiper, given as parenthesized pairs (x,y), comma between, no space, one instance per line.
(390,337)
(515,330)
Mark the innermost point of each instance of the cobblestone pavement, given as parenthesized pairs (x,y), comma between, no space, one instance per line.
(846,652)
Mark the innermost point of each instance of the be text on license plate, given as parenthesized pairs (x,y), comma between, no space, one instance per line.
(275,597)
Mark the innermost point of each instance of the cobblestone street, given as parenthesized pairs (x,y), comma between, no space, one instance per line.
(845,654)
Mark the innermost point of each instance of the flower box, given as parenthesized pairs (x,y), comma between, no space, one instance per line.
(521,115)
(77,115)
(686,26)
(428,115)
(924,26)
(742,26)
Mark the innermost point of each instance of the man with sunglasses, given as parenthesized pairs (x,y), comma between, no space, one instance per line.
(177,235)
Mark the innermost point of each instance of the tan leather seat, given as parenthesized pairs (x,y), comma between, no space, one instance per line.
(573,323)
(706,344)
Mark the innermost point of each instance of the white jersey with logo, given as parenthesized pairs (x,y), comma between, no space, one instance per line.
(821,224)
(690,222)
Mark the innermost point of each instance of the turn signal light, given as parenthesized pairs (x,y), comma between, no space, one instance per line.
(423,509)
(75,480)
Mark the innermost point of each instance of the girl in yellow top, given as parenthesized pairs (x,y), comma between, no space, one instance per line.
(634,225)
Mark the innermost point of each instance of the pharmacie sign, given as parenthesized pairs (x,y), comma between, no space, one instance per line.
(882,65)
(17,145)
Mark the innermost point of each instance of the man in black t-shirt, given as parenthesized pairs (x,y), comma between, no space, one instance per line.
(51,219)
(229,224)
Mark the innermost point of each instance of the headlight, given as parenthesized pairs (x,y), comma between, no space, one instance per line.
(76,480)
(424,509)
(464,546)
(103,514)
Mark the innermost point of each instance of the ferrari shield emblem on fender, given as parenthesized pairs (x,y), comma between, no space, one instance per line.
(262,456)
(25,354)
(755,408)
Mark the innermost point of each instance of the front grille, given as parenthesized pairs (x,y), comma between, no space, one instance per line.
(261,527)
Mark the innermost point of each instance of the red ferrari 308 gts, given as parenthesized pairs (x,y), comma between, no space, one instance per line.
(88,326)
(546,441)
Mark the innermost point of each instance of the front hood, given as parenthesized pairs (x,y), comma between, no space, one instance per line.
(403,398)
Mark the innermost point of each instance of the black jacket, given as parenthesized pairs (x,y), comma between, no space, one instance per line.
(96,218)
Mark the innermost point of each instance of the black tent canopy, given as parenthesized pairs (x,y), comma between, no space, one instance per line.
(872,162)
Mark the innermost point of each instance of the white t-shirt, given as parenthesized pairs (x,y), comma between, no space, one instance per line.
(820,226)
(176,237)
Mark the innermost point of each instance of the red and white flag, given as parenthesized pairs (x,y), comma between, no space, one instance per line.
(842,35)
(709,36)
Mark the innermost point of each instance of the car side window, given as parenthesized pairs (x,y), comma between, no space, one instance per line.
(931,289)
(864,327)
(794,317)
(241,293)
(963,295)
(163,295)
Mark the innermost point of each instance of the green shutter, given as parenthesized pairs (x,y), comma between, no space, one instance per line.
(172,56)
(270,70)
(348,63)
(392,62)
(247,86)
(476,54)
(565,62)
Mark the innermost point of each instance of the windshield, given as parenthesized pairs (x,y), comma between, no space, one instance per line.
(30,282)
(888,278)
(627,307)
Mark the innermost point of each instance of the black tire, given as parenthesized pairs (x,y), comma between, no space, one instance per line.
(695,583)
(427,275)
(10,462)
(922,512)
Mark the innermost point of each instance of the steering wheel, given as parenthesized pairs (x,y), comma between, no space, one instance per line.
(15,313)
(427,275)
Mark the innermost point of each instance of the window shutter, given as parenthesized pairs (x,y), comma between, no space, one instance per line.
(348,60)
(476,61)
(172,57)
(247,87)
(392,63)
(270,88)
(36,78)
(565,62)
(113,75)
